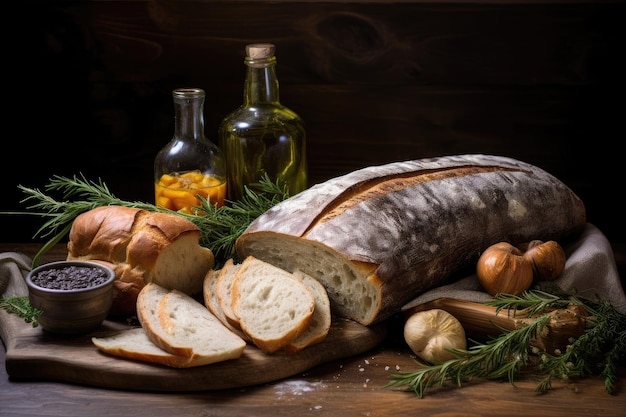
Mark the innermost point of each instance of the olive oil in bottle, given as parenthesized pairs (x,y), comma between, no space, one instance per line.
(190,164)
(262,136)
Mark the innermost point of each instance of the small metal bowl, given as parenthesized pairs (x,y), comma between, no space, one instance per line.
(75,296)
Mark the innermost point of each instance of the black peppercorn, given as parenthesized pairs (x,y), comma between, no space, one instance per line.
(70,278)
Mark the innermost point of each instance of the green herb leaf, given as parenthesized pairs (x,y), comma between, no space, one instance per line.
(20,305)
(222,226)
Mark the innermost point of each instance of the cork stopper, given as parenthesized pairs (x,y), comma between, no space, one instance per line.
(260,50)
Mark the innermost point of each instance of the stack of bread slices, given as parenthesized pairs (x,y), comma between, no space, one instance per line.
(252,302)
(268,306)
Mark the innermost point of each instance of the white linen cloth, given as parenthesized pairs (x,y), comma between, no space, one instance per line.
(14,264)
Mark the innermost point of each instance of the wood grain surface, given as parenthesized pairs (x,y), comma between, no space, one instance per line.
(33,354)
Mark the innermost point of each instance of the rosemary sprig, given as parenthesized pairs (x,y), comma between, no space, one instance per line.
(598,351)
(220,227)
(77,195)
(20,305)
(534,302)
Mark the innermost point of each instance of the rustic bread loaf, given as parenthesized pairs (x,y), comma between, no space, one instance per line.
(180,325)
(141,247)
(272,305)
(321,320)
(379,236)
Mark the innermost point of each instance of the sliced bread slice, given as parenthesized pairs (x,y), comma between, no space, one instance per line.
(319,325)
(148,301)
(179,324)
(212,302)
(271,304)
(224,289)
(135,344)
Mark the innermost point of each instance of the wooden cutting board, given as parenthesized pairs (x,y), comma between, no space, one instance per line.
(35,354)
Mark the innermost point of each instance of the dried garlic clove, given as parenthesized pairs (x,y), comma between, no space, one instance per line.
(432,333)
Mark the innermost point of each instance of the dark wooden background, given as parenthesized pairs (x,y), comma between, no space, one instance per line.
(88,87)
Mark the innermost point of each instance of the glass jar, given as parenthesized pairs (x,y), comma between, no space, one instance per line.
(190,164)
(262,136)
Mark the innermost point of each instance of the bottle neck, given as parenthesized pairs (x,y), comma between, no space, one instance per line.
(188,113)
(261,84)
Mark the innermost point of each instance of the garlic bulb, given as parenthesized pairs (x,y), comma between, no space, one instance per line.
(432,333)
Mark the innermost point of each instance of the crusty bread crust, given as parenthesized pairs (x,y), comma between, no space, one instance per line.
(141,247)
(102,233)
(136,345)
(379,236)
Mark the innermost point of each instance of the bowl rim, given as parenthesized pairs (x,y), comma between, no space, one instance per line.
(57,264)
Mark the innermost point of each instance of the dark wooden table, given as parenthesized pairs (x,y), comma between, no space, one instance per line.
(348,387)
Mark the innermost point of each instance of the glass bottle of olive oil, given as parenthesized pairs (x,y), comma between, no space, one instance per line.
(190,164)
(262,136)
